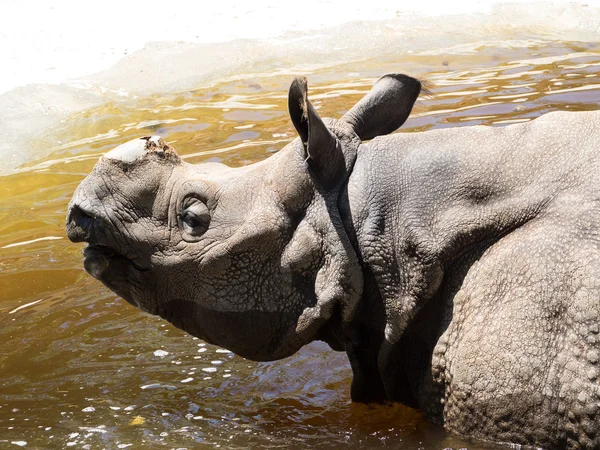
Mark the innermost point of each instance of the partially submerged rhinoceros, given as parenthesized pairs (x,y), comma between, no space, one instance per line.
(459,269)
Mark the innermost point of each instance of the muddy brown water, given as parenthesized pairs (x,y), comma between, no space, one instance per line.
(81,368)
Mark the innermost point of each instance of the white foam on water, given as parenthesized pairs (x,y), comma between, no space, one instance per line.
(60,60)
(26,305)
(62,41)
(99,429)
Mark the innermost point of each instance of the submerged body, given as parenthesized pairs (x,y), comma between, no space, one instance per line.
(458,268)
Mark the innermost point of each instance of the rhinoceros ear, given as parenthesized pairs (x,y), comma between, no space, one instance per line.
(321,148)
(385,108)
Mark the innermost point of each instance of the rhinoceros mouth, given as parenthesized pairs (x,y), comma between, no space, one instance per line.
(97,258)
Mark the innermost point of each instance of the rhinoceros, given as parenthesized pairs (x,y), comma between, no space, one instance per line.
(459,269)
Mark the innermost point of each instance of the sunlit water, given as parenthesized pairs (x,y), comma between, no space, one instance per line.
(81,368)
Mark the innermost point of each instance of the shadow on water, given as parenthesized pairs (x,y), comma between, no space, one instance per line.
(82,368)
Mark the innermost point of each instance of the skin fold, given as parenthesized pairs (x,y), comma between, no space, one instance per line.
(459,269)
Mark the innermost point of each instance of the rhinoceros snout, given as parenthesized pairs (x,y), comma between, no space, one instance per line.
(79,224)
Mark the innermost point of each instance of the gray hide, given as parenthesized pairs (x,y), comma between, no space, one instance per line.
(459,269)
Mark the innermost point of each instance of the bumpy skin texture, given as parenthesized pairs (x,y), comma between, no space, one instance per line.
(459,269)
(482,246)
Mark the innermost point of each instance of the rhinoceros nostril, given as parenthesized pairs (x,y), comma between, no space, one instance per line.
(79,224)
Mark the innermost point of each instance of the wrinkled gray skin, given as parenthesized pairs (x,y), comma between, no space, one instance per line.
(459,269)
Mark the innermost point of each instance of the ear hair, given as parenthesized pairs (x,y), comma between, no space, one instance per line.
(298,108)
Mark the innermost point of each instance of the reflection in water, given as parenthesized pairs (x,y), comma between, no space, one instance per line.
(81,368)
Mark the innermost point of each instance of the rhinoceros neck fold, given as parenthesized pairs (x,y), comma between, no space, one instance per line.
(411,209)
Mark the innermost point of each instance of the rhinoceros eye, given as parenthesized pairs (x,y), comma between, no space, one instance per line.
(194,218)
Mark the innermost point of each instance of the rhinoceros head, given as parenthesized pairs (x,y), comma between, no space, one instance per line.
(255,259)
